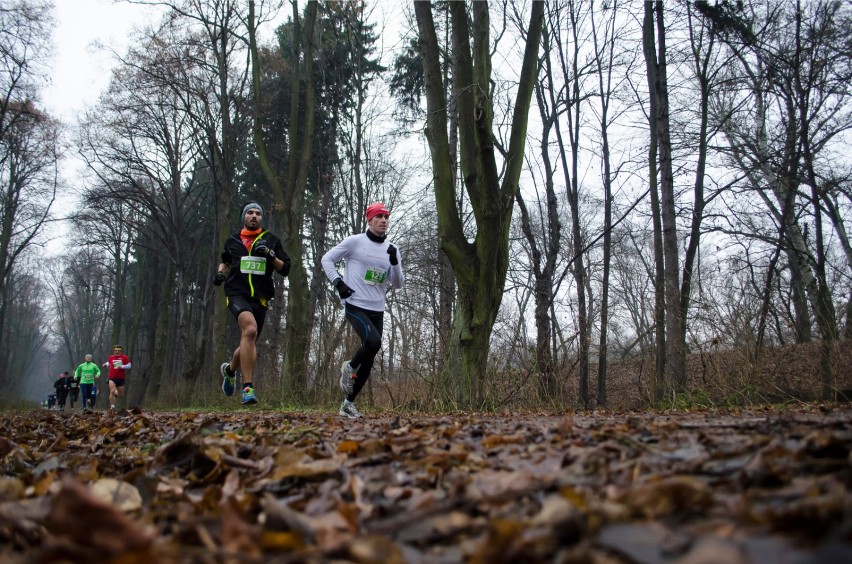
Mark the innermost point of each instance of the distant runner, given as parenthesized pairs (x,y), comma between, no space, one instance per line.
(73,389)
(61,387)
(86,374)
(118,364)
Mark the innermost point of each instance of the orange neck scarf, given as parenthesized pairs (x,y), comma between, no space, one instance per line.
(248,236)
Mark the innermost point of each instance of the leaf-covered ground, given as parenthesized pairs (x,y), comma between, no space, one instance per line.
(748,486)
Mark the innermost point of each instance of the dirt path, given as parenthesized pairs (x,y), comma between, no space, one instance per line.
(748,486)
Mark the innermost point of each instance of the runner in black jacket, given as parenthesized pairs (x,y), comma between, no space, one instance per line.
(61,387)
(73,388)
(249,258)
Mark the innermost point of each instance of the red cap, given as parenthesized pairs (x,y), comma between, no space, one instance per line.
(375,209)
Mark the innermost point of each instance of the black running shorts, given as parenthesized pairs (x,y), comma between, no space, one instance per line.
(257,307)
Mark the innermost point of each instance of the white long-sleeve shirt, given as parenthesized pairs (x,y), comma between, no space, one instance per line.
(367,270)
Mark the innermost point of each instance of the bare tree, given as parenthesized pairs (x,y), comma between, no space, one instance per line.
(795,72)
(29,150)
(542,229)
(213,89)
(605,40)
(289,192)
(479,267)
(142,146)
(82,300)
(672,378)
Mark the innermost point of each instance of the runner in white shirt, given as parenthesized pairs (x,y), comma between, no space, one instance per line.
(371,262)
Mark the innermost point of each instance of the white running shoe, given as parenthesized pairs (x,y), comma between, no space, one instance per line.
(347,378)
(348,409)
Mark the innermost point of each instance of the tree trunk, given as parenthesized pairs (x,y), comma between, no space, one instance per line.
(480,268)
(604,72)
(468,352)
(802,280)
(702,63)
(660,384)
(544,247)
(826,316)
(223,170)
(298,331)
(446,300)
(847,334)
(161,290)
(447,291)
(542,286)
(675,346)
(573,189)
(840,229)
(290,195)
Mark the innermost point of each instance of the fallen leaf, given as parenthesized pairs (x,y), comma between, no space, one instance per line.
(77,514)
(679,494)
(122,495)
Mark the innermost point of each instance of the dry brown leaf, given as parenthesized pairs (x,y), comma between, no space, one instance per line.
(171,486)
(593,487)
(375,549)
(489,484)
(237,536)
(347,447)
(118,493)
(11,488)
(434,528)
(80,516)
(6,446)
(278,541)
(679,494)
(43,484)
(496,546)
(492,441)
(307,469)
(232,484)
(713,551)
(35,509)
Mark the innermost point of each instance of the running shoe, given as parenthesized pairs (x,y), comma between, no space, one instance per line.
(228,381)
(347,378)
(249,397)
(348,409)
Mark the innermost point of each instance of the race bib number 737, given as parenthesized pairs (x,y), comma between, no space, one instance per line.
(253,265)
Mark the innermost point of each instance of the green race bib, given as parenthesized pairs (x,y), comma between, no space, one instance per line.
(375,276)
(253,265)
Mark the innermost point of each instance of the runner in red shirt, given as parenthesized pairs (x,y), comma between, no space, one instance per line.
(118,363)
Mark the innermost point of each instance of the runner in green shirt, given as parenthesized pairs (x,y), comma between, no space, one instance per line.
(86,373)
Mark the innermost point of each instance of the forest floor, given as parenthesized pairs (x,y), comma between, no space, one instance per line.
(759,485)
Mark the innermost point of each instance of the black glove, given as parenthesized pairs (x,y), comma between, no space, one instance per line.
(261,249)
(343,290)
(394,260)
(219,278)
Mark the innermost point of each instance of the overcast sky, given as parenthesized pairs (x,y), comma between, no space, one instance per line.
(81,68)
(80,71)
